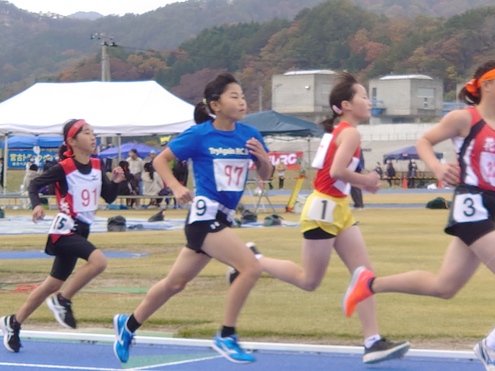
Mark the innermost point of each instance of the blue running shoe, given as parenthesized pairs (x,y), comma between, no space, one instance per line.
(123,337)
(230,349)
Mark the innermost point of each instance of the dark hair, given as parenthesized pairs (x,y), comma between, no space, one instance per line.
(148,167)
(33,167)
(213,90)
(124,165)
(466,96)
(63,147)
(343,90)
(134,150)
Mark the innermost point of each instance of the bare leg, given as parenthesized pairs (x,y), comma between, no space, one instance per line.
(351,249)
(458,266)
(227,247)
(315,258)
(96,264)
(186,267)
(37,297)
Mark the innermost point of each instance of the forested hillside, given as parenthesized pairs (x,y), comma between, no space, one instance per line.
(336,34)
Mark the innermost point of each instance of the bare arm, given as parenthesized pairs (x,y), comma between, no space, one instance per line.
(160,163)
(455,123)
(348,142)
(263,165)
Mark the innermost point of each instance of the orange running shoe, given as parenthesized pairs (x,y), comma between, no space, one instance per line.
(358,290)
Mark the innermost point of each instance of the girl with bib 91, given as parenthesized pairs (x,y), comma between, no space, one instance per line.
(79,181)
(221,149)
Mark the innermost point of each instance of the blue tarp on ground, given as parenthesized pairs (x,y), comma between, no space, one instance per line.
(274,123)
(28,142)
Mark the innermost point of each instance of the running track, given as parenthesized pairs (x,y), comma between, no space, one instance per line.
(84,351)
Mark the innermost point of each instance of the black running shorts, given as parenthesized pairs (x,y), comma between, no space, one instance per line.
(196,232)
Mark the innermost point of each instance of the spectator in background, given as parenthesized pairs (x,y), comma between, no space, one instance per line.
(128,187)
(152,184)
(390,171)
(379,170)
(136,167)
(1,171)
(280,168)
(31,173)
(181,173)
(412,173)
(151,156)
(356,193)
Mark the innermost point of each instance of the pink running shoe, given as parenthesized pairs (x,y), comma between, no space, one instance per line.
(358,290)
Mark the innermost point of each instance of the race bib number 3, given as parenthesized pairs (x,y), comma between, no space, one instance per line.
(61,224)
(469,208)
(230,174)
(321,209)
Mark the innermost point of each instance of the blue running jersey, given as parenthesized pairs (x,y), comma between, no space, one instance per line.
(220,159)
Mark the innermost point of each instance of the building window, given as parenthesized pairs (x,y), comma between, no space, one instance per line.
(426,92)
(373,93)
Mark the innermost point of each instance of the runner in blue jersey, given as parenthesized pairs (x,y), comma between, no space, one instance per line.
(221,149)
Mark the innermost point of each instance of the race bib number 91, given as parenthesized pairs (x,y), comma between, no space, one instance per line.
(230,174)
(86,197)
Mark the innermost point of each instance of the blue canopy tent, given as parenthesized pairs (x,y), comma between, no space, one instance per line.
(274,123)
(28,142)
(406,153)
(143,150)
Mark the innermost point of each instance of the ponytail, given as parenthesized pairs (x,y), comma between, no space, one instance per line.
(202,113)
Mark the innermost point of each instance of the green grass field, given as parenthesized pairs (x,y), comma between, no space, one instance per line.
(398,240)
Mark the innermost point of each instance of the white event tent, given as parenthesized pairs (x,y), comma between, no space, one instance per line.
(111,108)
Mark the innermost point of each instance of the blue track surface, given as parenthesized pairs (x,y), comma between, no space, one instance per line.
(94,355)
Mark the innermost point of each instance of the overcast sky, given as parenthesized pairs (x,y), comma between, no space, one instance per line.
(105,7)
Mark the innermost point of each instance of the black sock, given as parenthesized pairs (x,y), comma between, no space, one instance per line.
(227,331)
(132,324)
(370,284)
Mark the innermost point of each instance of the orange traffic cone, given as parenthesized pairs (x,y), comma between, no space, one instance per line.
(439,184)
(404,182)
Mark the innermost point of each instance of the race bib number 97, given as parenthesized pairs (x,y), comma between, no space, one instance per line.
(230,174)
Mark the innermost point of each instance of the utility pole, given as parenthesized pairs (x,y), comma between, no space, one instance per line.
(105,60)
(105,65)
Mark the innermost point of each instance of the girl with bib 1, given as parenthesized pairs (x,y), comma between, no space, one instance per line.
(472,214)
(326,219)
(79,181)
(221,149)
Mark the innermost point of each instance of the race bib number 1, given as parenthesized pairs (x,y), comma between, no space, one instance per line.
(321,209)
(61,224)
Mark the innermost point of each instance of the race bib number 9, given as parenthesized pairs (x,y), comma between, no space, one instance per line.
(321,209)
(61,224)
(85,197)
(230,174)
(203,209)
(469,208)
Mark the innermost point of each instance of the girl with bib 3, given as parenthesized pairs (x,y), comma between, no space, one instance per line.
(472,214)
(221,149)
(79,182)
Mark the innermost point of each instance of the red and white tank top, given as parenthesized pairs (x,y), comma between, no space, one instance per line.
(476,153)
(323,182)
(83,191)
